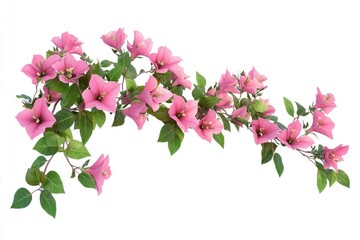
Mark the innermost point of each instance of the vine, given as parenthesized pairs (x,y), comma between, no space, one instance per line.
(75,93)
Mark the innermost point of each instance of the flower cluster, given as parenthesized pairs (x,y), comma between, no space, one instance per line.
(74,93)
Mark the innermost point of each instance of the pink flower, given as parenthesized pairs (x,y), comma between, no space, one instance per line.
(240,113)
(252,82)
(226,100)
(290,136)
(70,69)
(163,60)
(37,119)
(100,171)
(40,69)
(211,92)
(325,102)
(184,112)
(333,156)
(228,83)
(180,77)
(153,94)
(101,95)
(270,109)
(140,47)
(208,126)
(264,130)
(322,124)
(115,39)
(68,43)
(137,112)
(50,96)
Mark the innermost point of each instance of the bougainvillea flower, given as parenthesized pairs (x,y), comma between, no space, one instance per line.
(322,124)
(228,83)
(100,171)
(140,47)
(70,69)
(101,94)
(208,126)
(264,130)
(290,136)
(270,109)
(37,119)
(184,112)
(180,77)
(50,96)
(68,43)
(252,82)
(240,113)
(137,112)
(325,102)
(153,94)
(226,100)
(115,39)
(333,156)
(163,60)
(40,69)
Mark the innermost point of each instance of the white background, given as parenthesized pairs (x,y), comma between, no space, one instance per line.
(203,192)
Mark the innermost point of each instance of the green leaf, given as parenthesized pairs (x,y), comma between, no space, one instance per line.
(53,183)
(267,152)
(343,178)
(166,133)
(289,107)
(331,176)
(197,92)
(131,72)
(98,116)
(241,120)
(236,101)
(115,73)
(163,78)
(119,118)
(201,81)
(32,176)
(86,125)
(278,164)
(301,111)
(172,134)
(64,120)
(106,63)
(67,134)
(48,203)
(174,145)
(208,102)
(124,60)
(39,162)
(178,90)
(43,147)
(225,122)
(259,106)
(84,81)
(25,97)
(130,84)
(70,96)
(86,180)
(219,138)
(98,70)
(57,85)
(321,180)
(53,138)
(76,150)
(161,114)
(22,198)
